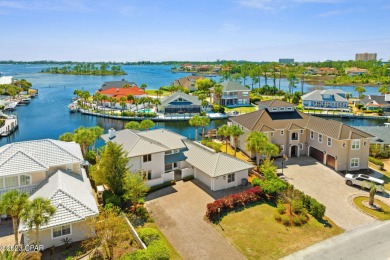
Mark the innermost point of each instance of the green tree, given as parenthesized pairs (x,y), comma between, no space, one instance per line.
(225,132)
(143,86)
(218,91)
(205,103)
(111,168)
(159,92)
(195,121)
(146,124)
(236,132)
(135,187)
(373,189)
(122,103)
(360,90)
(84,137)
(255,142)
(292,81)
(12,204)
(37,213)
(204,121)
(383,89)
(203,84)
(67,137)
(134,125)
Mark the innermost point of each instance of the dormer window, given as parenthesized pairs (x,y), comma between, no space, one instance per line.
(274,109)
(281,108)
(289,108)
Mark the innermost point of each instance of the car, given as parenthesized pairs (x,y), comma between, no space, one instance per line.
(362,180)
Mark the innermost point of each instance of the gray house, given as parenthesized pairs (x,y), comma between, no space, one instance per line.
(180,103)
(233,94)
(329,99)
(116,84)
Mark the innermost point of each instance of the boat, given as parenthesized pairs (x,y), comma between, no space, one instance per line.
(11,106)
(25,101)
(72,108)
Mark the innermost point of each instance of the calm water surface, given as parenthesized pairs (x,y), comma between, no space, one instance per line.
(47,116)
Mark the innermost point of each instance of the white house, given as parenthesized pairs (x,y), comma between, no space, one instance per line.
(329,99)
(6,80)
(50,169)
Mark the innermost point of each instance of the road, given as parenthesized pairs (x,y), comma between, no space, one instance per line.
(368,242)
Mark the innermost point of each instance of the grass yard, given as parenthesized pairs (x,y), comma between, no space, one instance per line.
(174,255)
(241,110)
(257,235)
(381,215)
(152,92)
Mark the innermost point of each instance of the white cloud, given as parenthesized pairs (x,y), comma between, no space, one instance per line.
(274,5)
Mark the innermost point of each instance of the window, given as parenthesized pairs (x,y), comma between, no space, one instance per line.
(281,132)
(168,167)
(301,131)
(149,174)
(289,108)
(354,162)
(1,183)
(25,180)
(245,94)
(294,136)
(231,177)
(147,158)
(61,231)
(281,108)
(355,144)
(320,138)
(329,141)
(175,165)
(274,109)
(311,135)
(11,182)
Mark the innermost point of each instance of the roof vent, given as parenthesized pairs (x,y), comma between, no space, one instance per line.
(111,133)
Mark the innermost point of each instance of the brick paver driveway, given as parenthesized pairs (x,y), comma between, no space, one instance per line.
(179,211)
(329,188)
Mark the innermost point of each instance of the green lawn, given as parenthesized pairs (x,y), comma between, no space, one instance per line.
(241,110)
(174,255)
(152,92)
(257,235)
(386,175)
(382,215)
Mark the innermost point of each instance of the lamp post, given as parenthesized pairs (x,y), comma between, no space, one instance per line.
(285,158)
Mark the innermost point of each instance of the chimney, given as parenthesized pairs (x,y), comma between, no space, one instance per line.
(387,97)
(111,133)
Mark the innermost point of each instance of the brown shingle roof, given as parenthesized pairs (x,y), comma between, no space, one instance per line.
(275,103)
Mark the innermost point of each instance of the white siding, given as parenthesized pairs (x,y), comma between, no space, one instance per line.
(203,177)
(220,182)
(156,165)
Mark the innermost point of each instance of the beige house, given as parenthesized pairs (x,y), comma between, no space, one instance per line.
(333,143)
(188,82)
(51,169)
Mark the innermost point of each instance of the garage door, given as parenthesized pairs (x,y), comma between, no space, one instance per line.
(330,161)
(316,154)
(203,177)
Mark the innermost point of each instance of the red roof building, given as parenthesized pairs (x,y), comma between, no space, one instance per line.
(124,92)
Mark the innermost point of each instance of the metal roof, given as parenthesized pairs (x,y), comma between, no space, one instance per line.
(167,138)
(381,134)
(193,99)
(175,157)
(230,85)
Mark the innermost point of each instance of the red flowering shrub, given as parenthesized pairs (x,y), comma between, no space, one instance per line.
(233,201)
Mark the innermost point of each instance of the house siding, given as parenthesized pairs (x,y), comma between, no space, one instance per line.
(221,182)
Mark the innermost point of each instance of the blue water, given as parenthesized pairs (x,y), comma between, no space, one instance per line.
(47,116)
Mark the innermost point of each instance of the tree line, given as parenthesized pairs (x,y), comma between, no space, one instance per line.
(86,69)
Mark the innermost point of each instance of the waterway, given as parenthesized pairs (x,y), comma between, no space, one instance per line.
(47,116)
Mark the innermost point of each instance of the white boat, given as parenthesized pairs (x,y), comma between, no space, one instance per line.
(11,106)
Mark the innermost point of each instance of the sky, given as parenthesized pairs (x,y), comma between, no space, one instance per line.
(197,30)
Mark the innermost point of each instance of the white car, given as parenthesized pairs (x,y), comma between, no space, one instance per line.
(362,180)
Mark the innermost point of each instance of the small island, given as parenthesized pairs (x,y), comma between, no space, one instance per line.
(87,69)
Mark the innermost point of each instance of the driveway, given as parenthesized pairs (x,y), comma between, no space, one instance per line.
(329,188)
(179,211)
(6,233)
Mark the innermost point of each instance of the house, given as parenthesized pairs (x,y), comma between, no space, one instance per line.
(187,82)
(164,156)
(216,170)
(122,92)
(6,80)
(326,71)
(116,84)
(333,143)
(51,169)
(233,94)
(329,99)
(374,102)
(381,136)
(180,103)
(365,56)
(355,71)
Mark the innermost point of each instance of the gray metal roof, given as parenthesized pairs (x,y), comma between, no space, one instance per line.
(233,86)
(116,84)
(71,194)
(212,163)
(135,144)
(37,155)
(317,95)
(167,138)
(375,99)
(193,99)
(381,133)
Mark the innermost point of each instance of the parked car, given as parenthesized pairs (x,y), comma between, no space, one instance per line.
(362,180)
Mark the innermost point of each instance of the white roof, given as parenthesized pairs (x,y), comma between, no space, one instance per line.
(135,144)
(167,138)
(212,163)
(72,196)
(6,79)
(37,155)
(316,95)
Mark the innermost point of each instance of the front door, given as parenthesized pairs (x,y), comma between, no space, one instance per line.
(294,152)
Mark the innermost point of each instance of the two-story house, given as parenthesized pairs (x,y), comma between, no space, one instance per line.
(233,94)
(375,102)
(333,143)
(329,99)
(180,103)
(51,169)
(188,82)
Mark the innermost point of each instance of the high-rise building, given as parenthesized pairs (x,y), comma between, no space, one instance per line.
(286,61)
(365,56)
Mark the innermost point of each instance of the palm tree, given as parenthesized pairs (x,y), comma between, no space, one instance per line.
(37,213)
(156,102)
(130,98)
(195,121)
(134,125)
(383,89)
(143,86)
(122,103)
(159,92)
(12,203)
(360,90)
(292,81)
(143,100)
(373,189)
(204,121)
(255,142)
(218,91)
(225,132)
(146,124)
(236,132)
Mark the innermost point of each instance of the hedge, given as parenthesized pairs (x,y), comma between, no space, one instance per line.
(233,201)
(110,198)
(162,185)
(188,178)
(375,161)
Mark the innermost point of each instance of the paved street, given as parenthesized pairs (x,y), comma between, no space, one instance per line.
(368,242)
(179,211)
(329,188)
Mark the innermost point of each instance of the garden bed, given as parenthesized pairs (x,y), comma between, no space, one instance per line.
(383,214)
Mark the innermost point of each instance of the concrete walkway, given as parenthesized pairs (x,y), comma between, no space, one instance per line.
(368,242)
(179,211)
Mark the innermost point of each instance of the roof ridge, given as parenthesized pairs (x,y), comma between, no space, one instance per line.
(70,196)
(69,209)
(25,154)
(152,141)
(61,148)
(216,163)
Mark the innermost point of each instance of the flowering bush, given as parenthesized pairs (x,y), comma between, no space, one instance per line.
(233,201)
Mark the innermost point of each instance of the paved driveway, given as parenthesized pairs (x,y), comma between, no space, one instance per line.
(329,188)
(179,211)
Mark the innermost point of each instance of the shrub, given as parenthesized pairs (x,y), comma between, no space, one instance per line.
(375,161)
(286,220)
(273,186)
(213,145)
(218,109)
(278,217)
(281,208)
(296,221)
(158,250)
(303,217)
(297,206)
(162,185)
(110,198)
(91,157)
(256,182)
(359,106)
(317,210)
(188,178)
(148,235)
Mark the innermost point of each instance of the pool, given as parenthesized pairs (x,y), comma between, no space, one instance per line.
(147,110)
